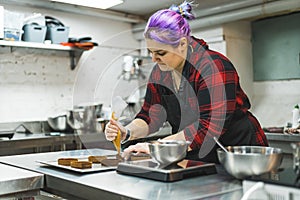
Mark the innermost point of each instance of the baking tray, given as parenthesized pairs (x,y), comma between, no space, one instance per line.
(96,167)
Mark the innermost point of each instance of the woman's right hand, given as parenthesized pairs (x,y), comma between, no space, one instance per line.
(112,128)
(135,150)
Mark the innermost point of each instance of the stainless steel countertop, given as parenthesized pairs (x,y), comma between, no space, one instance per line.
(282,141)
(16,180)
(111,185)
(37,141)
(283,137)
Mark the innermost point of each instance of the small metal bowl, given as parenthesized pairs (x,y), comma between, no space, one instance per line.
(244,161)
(166,152)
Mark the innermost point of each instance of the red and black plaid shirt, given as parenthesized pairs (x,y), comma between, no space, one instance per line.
(210,87)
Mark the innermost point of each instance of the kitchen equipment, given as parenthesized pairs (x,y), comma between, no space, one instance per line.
(7,134)
(95,107)
(57,32)
(220,145)
(75,119)
(12,34)
(243,161)
(296,156)
(166,152)
(83,118)
(96,167)
(21,128)
(34,33)
(58,123)
(280,184)
(175,172)
(117,140)
(118,105)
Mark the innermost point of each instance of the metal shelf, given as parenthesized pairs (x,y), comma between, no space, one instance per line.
(73,52)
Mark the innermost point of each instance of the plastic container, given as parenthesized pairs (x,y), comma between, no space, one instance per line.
(57,34)
(12,34)
(34,33)
(296,115)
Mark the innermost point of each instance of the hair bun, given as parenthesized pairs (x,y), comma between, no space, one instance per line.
(184,9)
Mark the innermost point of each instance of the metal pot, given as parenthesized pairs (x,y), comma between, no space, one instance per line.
(243,161)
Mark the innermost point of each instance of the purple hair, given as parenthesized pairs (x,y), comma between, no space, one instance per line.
(169,25)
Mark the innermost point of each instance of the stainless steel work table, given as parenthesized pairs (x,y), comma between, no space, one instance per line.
(111,185)
(22,143)
(16,182)
(282,141)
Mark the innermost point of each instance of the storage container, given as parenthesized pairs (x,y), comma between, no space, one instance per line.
(34,33)
(57,34)
(12,34)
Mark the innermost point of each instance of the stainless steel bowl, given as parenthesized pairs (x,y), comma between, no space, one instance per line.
(75,118)
(58,123)
(243,161)
(166,152)
(93,108)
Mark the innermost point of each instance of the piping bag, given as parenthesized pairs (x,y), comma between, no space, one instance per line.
(118,105)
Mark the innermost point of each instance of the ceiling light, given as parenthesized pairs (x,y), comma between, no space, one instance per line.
(102,4)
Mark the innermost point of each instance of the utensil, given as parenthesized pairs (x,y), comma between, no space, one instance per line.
(118,105)
(166,152)
(243,161)
(220,145)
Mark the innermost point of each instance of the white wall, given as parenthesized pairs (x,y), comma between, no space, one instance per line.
(272,101)
(36,84)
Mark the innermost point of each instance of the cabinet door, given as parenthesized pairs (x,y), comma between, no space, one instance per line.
(276,48)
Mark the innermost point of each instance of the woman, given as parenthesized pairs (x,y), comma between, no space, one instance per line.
(195,89)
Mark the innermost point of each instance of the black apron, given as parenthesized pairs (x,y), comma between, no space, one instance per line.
(179,114)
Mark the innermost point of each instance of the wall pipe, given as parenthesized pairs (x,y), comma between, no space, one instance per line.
(262,10)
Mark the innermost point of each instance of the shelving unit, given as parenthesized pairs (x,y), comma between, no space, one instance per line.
(73,52)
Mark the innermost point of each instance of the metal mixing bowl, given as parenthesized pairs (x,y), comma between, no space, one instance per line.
(243,161)
(58,123)
(75,118)
(166,152)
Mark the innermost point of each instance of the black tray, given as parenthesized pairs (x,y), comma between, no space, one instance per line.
(175,172)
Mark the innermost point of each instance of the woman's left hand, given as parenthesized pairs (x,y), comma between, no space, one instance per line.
(135,150)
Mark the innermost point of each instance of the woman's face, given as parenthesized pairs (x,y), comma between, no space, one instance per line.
(167,57)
